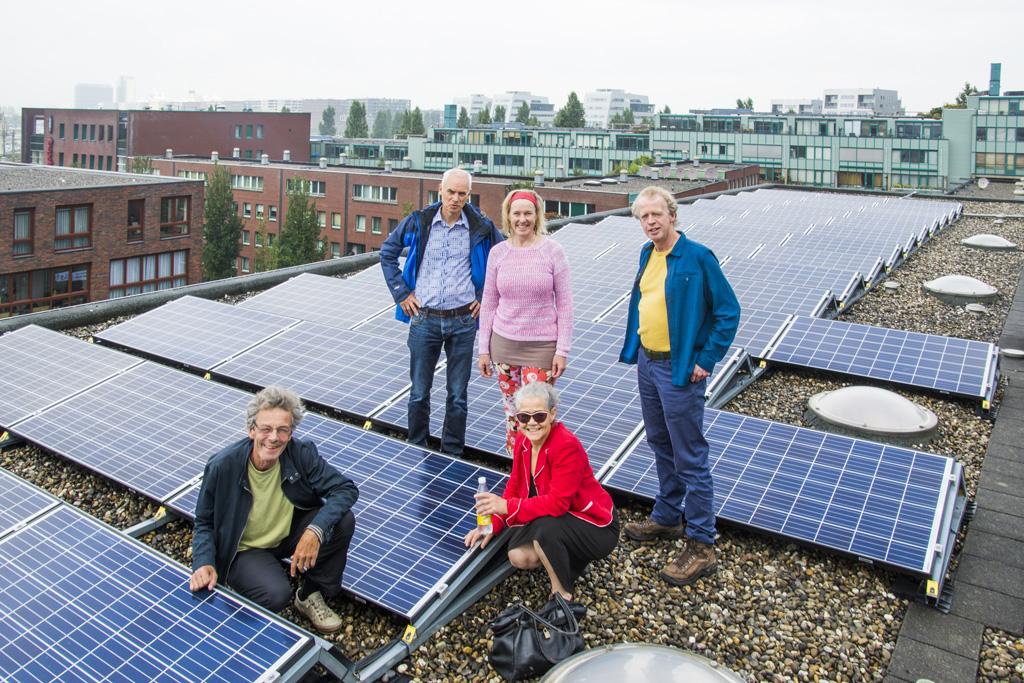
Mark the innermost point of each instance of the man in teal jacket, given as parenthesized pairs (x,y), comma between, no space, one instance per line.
(682,318)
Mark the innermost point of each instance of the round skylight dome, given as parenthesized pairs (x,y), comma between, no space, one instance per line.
(872,412)
(628,662)
(960,289)
(987,241)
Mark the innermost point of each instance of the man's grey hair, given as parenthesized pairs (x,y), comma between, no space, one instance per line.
(653,192)
(538,390)
(275,397)
(448,174)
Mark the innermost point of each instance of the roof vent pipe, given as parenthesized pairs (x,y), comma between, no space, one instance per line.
(236,152)
(264,159)
(560,168)
(323,161)
(654,174)
(538,177)
(214,156)
(623,175)
(169,153)
(287,155)
(343,158)
(657,157)
(477,166)
(387,167)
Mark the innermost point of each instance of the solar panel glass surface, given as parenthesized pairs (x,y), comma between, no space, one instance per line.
(81,602)
(39,367)
(875,501)
(19,501)
(327,300)
(196,332)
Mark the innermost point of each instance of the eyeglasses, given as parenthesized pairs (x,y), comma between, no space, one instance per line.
(266,430)
(539,417)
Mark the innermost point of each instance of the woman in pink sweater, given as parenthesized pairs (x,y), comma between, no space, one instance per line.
(526,311)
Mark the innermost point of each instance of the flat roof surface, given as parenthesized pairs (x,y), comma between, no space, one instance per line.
(15,177)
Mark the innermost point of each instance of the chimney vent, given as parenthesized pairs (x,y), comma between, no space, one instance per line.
(236,152)
(169,153)
(287,155)
(538,178)
(264,159)
(215,156)
(323,161)
(387,167)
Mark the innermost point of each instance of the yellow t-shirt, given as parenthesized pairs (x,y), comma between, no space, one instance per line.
(270,518)
(653,311)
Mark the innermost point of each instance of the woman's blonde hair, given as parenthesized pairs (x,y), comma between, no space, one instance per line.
(539,227)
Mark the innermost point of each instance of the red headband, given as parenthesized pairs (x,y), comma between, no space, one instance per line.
(523,195)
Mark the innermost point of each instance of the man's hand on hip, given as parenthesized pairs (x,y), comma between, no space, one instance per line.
(411,305)
(699,373)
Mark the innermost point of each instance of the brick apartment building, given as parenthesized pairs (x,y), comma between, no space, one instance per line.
(357,207)
(69,236)
(94,138)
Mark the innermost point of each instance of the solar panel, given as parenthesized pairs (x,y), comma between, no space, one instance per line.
(801,301)
(344,369)
(150,428)
(328,300)
(594,358)
(39,367)
(757,329)
(875,501)
(957,366)
(195,332)
(81,602)
(19,501)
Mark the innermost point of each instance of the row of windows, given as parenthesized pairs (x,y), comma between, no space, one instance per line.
(995,162)
(93,160)
(567,209)
(375,193)
(1000,106)
(247,211)
(141,274)
(317,188)
(193,175)
(40,290)
(73,224)
(247,182)
(90,132)
(993,134)
(250,130)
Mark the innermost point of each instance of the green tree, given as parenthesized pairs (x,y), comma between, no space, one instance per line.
(382,124)
(223,228)
(284,110)
(572,114)
(484,117)
(327,122)
(300,235)
(266,256)
(523,113)
(745,103)
(416,126)
(355,125)
(463,121)
(141,165)
(532,121)
(666,110)
(400,124)
(499,114)
(642,160)
(965,92)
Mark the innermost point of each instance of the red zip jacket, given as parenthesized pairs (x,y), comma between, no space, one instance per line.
(564,479)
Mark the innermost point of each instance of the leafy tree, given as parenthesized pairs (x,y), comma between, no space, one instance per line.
(266,257)
(223,227)
(382,124)
(416,126)
(355,126)
(627,117)
(523,113)
(141,165)
(499,114)
(967,90)
(572,114)
(407,208)
(463,121)
(327,124)
(666,110)
(298,242)
(484,117)
(284,110)
(400,124)
(642,160)
(745,104)
(933,113)
(532,121)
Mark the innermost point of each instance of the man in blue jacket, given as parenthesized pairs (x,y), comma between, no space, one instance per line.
(682,318)
(438,294)
(271,496)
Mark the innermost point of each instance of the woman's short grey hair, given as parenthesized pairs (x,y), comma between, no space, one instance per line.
(538,390)
(275,397)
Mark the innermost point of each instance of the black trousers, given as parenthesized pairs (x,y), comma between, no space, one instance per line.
(569,543)
(259,575)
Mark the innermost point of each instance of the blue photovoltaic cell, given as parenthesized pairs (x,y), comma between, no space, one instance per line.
(329,300)
(798,300)
(344,369)
(958,366)
(80,602)
(415,507)
(594,357)
(19,501)
(39,367)
(757,329)
(195,332)
(150,428)
(872,500)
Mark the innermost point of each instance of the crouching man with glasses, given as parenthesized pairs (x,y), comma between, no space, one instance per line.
(269,497)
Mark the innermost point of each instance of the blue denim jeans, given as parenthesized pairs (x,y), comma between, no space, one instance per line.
(674,421)
(427,336)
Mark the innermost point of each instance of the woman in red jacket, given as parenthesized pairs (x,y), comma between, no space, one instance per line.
(558,515)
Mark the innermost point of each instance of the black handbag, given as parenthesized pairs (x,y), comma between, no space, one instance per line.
(526,644)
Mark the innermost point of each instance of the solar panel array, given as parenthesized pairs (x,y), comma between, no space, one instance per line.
(80,601)
(328,300)
(957,366)
(871,500)
(19,502)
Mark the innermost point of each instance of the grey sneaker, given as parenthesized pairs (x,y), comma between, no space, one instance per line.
(323,618)
(649,530)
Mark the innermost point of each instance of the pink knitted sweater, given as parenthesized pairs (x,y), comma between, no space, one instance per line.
(527,295)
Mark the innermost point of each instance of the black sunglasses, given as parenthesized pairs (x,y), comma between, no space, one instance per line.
(539,417)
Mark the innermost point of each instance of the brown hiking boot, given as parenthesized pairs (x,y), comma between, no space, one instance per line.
(649,530)
(697,560)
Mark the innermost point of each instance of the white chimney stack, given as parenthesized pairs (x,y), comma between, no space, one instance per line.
(236,152)
(623,175)
(323,161)
(264,159)
(343,158)
(538,177)
(169,153)
(214,156)
(387,167)
(287,155)
(654,173)
(477,166)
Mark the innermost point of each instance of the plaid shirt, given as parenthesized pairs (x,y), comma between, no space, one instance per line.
(444,280)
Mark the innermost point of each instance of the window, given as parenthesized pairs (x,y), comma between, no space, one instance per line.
(110,132)
(238,131)
(259,131)
(60,159)
(360,223)
(797,152)
(257,239)
(432,196)
(981,134)
(260,210)
(148,273)
(24,231)
(248,131)
(392,224)
(74,159)
(335,250)
(375,193)
(102,131)
(92,132)
(321,219)
(270,239)
(246,210)
(39,290)
(110,160)
(72,230)
(248,154)
(173,216)
(92,161)
(272,212)
(910,156)
(317,188)
(193,175)
(61,129)
(375,226)
(245,264)
(136,219)
(335,220)
(247,182)
(75,132)
(245,237)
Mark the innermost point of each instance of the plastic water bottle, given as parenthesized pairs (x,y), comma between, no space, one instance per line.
(483,522)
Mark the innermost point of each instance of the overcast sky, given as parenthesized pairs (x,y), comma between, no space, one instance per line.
(684,54)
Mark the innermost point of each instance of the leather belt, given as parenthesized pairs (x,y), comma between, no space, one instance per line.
(657,355)
(446,312)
